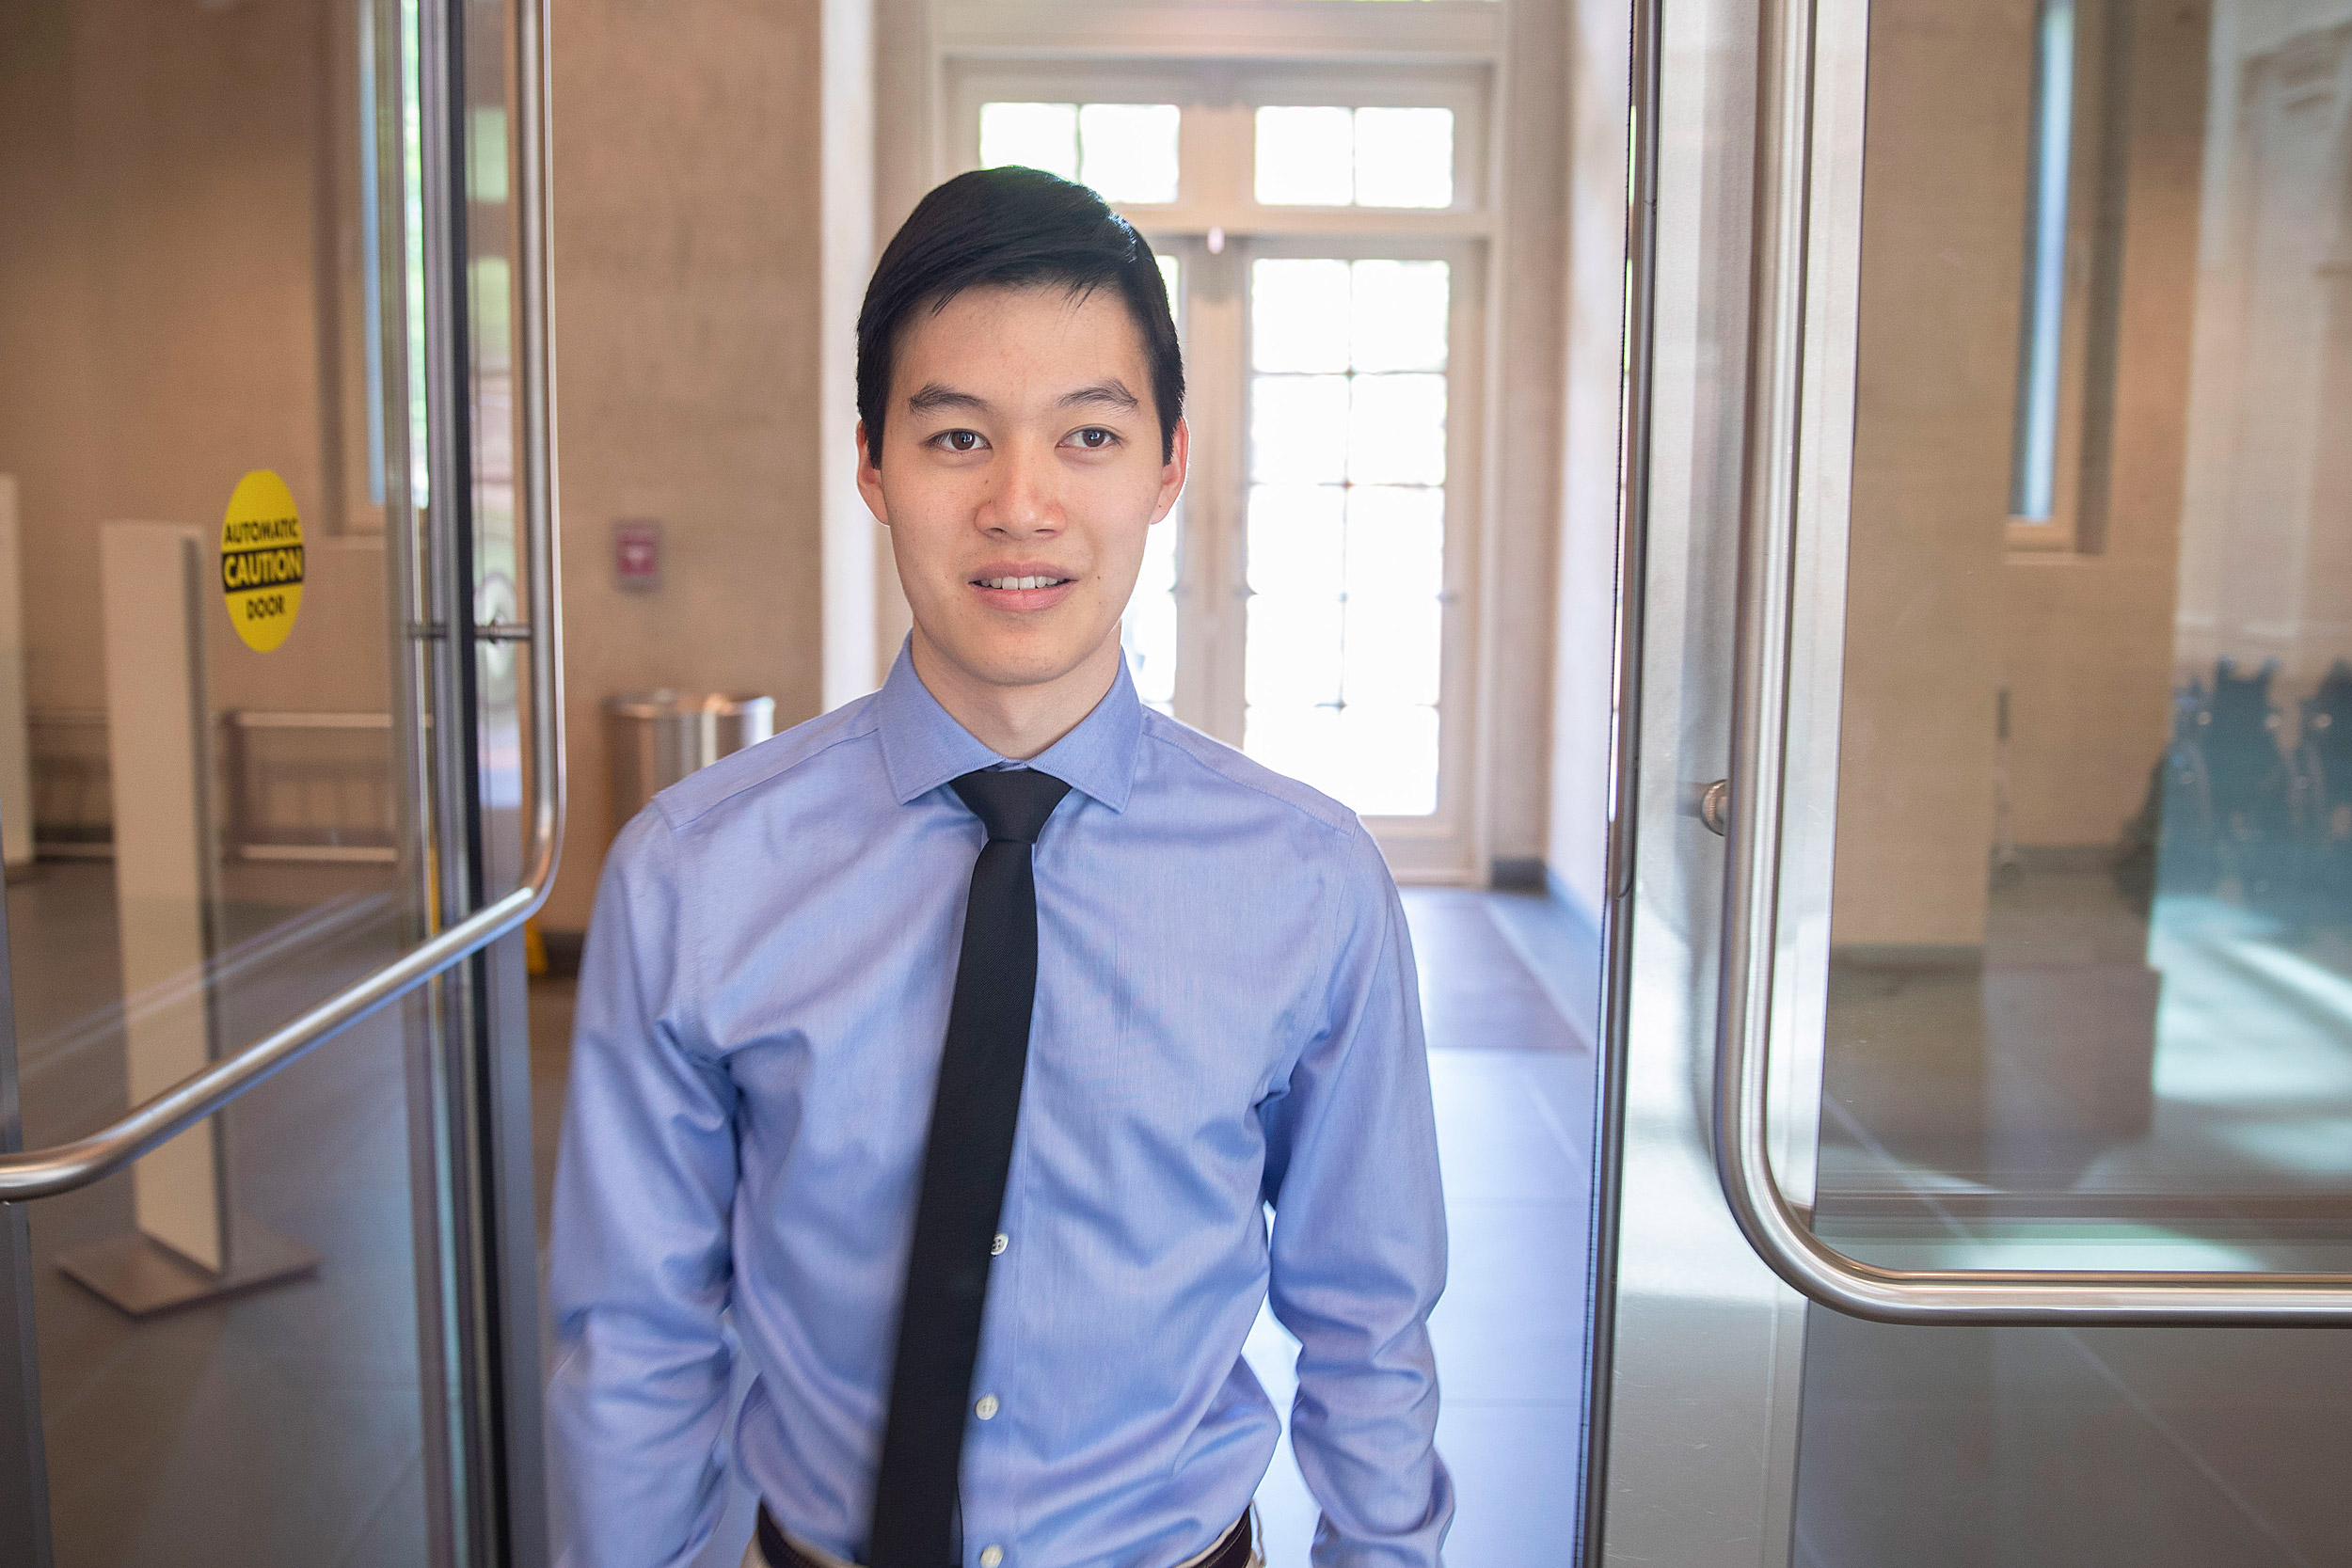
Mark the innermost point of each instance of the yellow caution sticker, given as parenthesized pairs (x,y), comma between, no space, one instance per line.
(260,559)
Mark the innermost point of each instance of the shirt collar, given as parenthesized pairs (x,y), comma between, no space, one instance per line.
(923,746)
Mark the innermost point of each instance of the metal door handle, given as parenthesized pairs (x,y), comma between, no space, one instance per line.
(1759,717)
(1715,806)
(62,1167)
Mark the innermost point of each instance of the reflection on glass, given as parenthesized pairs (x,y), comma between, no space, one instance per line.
(1126,152)
(228,835)
(1317,156)
(2117,975)
(2089,999)
(2033,482)
(1347,533)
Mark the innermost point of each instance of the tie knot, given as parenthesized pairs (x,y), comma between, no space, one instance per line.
(1012,802)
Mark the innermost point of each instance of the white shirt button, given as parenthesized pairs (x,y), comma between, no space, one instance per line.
(986,1409)
(992,1556)
(996,1247)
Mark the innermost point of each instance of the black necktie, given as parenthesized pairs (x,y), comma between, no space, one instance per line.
(973,1114)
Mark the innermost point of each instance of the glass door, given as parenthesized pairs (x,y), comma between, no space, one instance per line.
(2015,1011)
(274,766)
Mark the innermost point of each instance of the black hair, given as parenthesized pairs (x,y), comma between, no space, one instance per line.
(1009,226)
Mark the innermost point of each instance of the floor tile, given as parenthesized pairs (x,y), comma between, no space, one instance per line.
(1511,1323)
(1510,1127)
(1476,992)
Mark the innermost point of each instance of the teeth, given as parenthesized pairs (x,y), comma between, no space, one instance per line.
(1022,582)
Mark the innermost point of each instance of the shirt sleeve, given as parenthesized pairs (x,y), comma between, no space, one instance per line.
(1360,1244)
(640,1267)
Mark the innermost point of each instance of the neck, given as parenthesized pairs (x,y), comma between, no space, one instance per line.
(1016,722)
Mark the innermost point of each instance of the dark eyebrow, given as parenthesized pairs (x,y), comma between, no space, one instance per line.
(936,397)
(1112,394)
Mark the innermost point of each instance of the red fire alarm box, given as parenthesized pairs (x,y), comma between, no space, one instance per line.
(637,555)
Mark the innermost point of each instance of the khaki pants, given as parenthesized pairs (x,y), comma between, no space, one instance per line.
(752,1557)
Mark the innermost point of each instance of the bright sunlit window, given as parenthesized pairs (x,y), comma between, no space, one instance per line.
(1126,152)
(1346,526)
(1368,157)
(2033,482)
(1149,631)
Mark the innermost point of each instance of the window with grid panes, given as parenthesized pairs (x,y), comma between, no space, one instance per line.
(1346,526)
(1315,624)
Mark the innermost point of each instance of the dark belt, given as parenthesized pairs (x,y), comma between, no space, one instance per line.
(1231,1552)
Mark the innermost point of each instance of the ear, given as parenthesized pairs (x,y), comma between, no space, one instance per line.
(869,483)
(1172,471)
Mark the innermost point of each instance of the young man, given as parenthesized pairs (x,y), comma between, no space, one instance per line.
(956,1040)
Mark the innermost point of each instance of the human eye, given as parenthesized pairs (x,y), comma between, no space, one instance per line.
(1093,438)
(958,440)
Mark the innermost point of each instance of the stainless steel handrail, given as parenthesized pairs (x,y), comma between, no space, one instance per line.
(1752,875)
(62,1167)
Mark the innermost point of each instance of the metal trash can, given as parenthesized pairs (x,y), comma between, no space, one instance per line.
(657,737)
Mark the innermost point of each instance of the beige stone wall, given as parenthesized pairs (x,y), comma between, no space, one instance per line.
(2088,637)
(1943,203)
(686,190)
(170,287)
(1943,613)
(178,305)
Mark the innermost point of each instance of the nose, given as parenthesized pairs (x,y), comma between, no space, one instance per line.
(1026,500)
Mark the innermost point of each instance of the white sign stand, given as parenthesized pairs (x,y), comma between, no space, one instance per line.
(188,1245)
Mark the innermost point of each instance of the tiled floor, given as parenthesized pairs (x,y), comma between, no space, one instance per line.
(280,1427)
(2064,1449)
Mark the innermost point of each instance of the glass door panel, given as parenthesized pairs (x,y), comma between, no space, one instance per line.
(259,475)
(2020,327)
(2087,998)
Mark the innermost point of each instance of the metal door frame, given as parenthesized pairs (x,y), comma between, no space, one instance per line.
(23,1464)
(1697,1348)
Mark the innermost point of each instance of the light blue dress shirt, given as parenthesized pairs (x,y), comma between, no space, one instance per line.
(1226,1019)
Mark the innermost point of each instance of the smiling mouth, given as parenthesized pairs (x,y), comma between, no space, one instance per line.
(1016,583)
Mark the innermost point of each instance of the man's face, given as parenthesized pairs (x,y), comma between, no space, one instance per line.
(1021,467)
